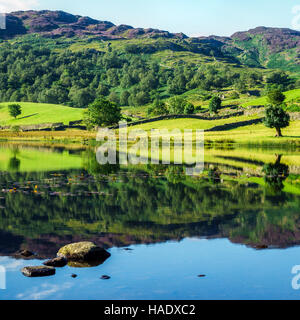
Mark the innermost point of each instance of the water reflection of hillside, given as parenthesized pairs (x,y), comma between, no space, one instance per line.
(119,206)
(141,207)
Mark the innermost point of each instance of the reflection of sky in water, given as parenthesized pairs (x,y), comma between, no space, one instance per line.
(167,271)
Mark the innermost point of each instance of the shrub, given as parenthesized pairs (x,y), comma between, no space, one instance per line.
(15,129)
(234,95)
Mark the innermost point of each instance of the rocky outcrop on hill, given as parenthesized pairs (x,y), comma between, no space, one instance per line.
(277,39)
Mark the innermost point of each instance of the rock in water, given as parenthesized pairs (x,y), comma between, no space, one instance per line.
(26,253)
(41,271)
(83,251)
(57,262)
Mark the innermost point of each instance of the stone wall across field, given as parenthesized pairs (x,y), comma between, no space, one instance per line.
(59,126)
(295,116)
(181,116)
(230,126)
(79,124)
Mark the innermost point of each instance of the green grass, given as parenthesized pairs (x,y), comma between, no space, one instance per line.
(259,135)
(38,113)
(290,96)
(189,123)
(250,135)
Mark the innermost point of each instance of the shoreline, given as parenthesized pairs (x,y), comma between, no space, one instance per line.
(234,137)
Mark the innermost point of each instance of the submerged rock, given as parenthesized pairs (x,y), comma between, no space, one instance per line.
(261,246)
(41,271)
(26,253)
(85,264)
(74,275)
(105,277)
(83,251)
(56,262)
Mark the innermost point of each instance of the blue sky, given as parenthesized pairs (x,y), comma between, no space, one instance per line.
(193,17)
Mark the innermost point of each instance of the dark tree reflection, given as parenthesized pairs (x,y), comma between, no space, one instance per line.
(275,175)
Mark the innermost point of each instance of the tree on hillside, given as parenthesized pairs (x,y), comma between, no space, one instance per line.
(240,86)
(177,105)
(215,104)
(276,117)
(114,97)
(279,78)
(276,97)
(139,99)
(81,97)
(14,110)
(189,108)
(124,98)
(102,90)
(102,113)
(158,108)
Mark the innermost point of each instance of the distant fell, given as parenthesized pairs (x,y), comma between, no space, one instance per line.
(261,47)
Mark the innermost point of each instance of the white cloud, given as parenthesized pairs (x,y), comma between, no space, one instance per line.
(16,5)
(44,291)
(296,19)
(10,264)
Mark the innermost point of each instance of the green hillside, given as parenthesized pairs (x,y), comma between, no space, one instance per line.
(60,71)
(39,113)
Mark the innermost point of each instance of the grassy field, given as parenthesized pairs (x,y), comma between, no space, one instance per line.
(190,123)
(290,96)
(254,134)
(38,113)
(258,134)
(250,135)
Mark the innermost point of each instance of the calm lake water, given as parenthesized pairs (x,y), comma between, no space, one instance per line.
(238,223)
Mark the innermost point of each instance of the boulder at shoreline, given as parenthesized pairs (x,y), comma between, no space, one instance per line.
(83,251)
